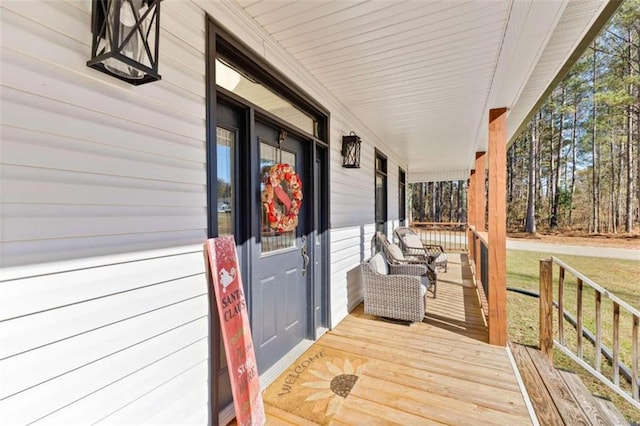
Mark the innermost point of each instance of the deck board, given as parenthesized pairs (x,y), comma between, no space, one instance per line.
(438,371)
(541,399)
(425,347)
(447,386)
(276,416)
(429,405)
(359,411)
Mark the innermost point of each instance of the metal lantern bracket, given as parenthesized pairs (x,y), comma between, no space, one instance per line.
(125,36)
(282,137)
(351,151)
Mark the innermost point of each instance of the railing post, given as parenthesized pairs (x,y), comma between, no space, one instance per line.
(634,359)
(561,306)
(616,344)
(546,308)
(579,321)
(598,346)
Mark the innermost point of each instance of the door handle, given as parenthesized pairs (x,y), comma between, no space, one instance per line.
(305,256)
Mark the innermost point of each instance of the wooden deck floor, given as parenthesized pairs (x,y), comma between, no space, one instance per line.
(440,371)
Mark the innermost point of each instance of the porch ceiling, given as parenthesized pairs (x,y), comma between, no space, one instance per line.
(422,75)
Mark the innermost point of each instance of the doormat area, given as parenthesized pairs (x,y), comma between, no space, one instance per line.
(316,384)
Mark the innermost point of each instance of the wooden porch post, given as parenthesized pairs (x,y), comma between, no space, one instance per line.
(481,196)
(546,308)
(471,213)
(497,263)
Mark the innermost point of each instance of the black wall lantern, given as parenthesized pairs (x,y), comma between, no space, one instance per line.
(351,151)
(125,39)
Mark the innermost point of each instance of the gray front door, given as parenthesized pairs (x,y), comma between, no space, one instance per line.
(279,284)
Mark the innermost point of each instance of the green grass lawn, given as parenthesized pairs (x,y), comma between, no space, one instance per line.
(620,277)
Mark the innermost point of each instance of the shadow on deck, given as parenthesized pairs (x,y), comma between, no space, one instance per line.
(457,308)
(439,371)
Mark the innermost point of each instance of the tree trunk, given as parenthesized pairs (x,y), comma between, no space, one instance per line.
(537,166)
(421,202)
(628,224)
(510,180)
(556,191)
(437,201)
(613,191)
(595,179)
(637,183)
(574,158)
(637,150)
(530,220)
(460,217)
(451,199)
(510,172)
(435,204)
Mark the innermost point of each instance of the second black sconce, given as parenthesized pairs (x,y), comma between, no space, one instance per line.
(351,151)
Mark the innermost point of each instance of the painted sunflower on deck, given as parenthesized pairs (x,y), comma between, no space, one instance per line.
(334,384)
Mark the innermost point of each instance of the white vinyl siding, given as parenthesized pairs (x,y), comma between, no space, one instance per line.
(103,299)
(91,165)
(84,344)
(353,215)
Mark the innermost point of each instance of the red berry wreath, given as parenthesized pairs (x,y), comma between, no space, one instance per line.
(282,198)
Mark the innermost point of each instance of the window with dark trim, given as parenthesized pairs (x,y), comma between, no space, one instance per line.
(381,192)
(402,197)
(251,89)
(256,78)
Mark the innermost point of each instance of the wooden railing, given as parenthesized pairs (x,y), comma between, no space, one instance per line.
(450,235)
(488,258)
(624,351)
(479,257)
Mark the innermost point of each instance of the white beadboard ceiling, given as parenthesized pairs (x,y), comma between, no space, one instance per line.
(423,74)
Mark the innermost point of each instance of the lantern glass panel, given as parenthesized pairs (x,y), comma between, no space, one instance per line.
(123,32)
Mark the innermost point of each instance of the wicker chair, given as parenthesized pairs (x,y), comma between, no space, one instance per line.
(390,293)
(395,256)
(411,245)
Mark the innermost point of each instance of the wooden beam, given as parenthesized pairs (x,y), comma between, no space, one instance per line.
(635,392)
(616,344)
(560,306)
(498,227)
(471,213)
(481,197)
(546,308)
(580,321)
(598,349)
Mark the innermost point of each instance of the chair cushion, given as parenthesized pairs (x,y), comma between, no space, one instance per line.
(441,258)
(396,252)
(412,241)
(425,282)
(379,264)
(423,290)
